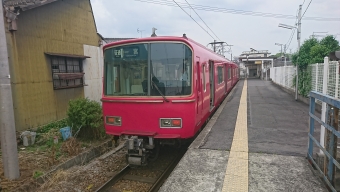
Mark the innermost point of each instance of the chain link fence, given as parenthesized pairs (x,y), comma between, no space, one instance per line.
(284,76)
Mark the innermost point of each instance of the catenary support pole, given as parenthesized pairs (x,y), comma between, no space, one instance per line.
(7,124)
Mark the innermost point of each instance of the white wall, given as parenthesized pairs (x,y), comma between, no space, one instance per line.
(93,68)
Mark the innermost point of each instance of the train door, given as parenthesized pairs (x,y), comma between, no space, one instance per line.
(199,90)
(212,83)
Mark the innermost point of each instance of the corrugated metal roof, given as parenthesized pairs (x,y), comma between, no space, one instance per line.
(67,55)
(27,4)
(110,40)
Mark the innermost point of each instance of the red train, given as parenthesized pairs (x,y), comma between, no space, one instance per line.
(161,90)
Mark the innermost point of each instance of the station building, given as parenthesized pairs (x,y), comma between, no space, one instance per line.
(256,64)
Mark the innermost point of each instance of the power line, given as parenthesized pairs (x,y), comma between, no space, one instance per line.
(202,20)
(234,11)
(293,31)
(306,8)
(193,19)
(290,40)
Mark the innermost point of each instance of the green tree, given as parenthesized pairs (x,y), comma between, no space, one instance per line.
(318,52)
(330,43)
(312,51)
(303,57)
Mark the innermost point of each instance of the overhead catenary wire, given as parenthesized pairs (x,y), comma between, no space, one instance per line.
(234,11)
(306,8)
(206,24)
(203,21)
(194,20)
(290,39)
(293,31)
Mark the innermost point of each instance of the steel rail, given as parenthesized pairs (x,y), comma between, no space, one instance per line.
(155,186)
(114,179)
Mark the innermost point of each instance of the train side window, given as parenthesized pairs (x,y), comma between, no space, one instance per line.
(204,85)
(229,73)
(220,74)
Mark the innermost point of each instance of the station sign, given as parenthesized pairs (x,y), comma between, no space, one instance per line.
(258,62)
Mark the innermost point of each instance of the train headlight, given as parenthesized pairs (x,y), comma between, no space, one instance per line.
(114,120)
(170,123)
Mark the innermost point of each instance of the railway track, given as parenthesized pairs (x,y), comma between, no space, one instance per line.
(149,178)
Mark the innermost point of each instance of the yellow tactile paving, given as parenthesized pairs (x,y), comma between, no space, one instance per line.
(236,177)
(239,154)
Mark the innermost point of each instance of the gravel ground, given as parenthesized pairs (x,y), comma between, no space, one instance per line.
(153,171)
(91,176)
(86,178)
(131,186)
(31,161)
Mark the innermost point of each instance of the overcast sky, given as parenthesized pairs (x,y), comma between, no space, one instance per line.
(119,19)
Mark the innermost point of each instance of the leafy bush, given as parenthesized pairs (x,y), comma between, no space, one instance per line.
(86,115)
(46,132)
(53,125)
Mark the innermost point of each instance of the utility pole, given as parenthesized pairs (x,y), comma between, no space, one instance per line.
(216,42)
(279,44)
(141,32)
(7,123)
(298,38)
(231,53)
(285,54)
(221,43)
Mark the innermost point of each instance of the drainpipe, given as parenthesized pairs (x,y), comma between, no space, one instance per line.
(7,124)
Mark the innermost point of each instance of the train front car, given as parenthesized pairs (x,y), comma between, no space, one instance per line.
(148,94)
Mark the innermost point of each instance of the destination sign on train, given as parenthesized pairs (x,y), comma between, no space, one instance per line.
(126,52)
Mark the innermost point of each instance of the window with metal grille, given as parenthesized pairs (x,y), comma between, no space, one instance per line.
(67,72)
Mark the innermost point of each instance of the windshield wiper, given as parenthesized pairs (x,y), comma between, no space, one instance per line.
(159,91)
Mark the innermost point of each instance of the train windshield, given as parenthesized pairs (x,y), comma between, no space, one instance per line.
(149,69)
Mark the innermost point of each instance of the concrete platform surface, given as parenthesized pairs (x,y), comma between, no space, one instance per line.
(277,137)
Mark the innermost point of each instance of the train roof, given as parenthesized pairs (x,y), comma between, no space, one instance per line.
(186,40)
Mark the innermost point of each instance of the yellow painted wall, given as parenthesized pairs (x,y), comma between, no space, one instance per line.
(59,27)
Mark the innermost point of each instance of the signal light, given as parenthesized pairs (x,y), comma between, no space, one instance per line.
(176,122)
(110,120)
(170,123)
(114,120)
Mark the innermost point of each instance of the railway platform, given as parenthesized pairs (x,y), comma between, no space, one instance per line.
(256,141)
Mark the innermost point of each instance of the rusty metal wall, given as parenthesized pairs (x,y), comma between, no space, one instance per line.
(59,27)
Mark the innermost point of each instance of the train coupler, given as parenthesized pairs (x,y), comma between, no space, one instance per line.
(138,150)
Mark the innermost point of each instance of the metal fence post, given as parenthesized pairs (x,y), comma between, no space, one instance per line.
(337,80)
(324,108)
(316,76)
(311,126)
